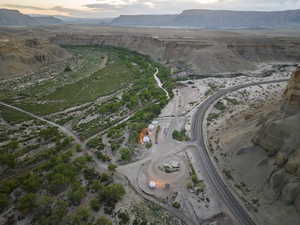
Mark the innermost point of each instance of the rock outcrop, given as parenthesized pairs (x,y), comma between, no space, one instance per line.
(280,138)
(292,94)
(21,57)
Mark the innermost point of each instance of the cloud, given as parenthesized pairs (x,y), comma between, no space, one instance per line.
(23,7)
(58,9)
(112,8)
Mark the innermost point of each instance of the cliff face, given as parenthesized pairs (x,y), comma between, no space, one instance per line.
(215,19)
(292,94)
(199,56)
(21,57)
(280,138)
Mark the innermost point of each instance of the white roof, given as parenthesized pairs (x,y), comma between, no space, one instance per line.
(152,184)
(146,139)
(151,127)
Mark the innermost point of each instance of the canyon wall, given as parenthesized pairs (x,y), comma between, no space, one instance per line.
(280,138)
(197,55)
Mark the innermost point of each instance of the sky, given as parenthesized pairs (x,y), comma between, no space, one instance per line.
(113,8)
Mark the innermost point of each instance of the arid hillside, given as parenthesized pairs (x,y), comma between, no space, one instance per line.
(23,57)
(280,138)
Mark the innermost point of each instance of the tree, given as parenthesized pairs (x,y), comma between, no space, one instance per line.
(8,159)
(126,154)
(58,182)
(3,201)
(27,203)
(76,194)
(112,167)
(32,183)
(103,221)
(113,192)
(124,218)
(43,205)
(95,204)
(80,216)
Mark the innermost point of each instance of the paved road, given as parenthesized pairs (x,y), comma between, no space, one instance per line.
(215,179)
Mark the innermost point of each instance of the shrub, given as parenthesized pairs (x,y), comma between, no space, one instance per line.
(112,167)
(126,154)
(180,135)
(95,204)
(103,221)
(3,201)
(27,203)
(176,205)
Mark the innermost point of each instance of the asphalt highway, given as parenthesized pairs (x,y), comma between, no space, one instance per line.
(216,181)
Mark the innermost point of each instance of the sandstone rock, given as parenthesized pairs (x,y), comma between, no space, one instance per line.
(292,94)
(278,181)
(280,136)
(297,203)
(298,172)
(290,193)
(292,166)
(280,159)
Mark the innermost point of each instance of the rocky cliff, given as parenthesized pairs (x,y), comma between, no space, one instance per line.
(201,55)
(280,138)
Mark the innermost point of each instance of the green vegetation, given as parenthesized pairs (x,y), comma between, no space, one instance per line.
(176,205)
(126,154)
(180,135)
(220,106)
(12,116)
(45,175)
(112,167)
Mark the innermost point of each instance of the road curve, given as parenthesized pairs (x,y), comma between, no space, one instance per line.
(61,128)
(214,178)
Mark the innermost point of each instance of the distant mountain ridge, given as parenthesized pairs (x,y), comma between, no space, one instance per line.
(215,19)
(15,18)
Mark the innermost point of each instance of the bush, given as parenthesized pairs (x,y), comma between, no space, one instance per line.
(103,157)
(76,194)
(176,205)
(126,154)
(103,221)
(220,106)
(111,194)
(3,201)
(112,167)
(32,183)
(148,145)
(27,203)
(180,135)
(95,204)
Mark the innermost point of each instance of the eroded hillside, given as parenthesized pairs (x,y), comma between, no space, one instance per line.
(24,57)
(280,138)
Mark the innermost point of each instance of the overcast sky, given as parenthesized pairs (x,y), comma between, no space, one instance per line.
(113,8)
